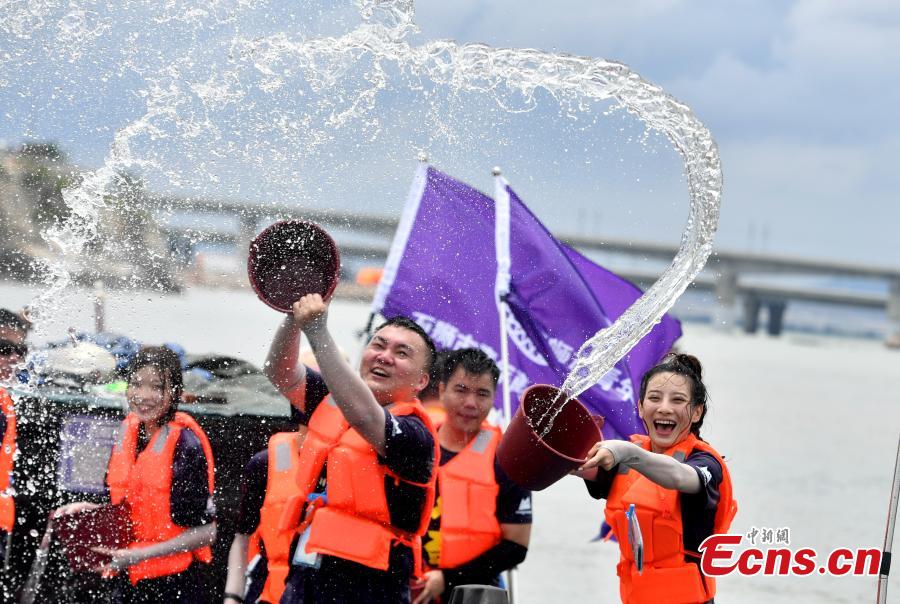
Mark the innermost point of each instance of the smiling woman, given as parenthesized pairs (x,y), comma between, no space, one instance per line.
(156,471)
(678,486)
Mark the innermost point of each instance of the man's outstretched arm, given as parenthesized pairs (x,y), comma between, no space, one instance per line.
(347,389)
(283,366)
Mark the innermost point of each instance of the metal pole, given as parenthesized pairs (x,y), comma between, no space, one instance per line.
(512,587)
(889,533)
(99,307)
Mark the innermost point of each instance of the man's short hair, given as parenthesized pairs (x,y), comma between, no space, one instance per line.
(407,323)
(12,320)
(474,361)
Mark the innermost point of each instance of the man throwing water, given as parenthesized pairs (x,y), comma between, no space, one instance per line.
(367,466)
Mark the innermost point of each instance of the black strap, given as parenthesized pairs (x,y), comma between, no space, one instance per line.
(235,597)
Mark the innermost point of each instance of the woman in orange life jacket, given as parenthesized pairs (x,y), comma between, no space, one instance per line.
(162,470)
(679,485)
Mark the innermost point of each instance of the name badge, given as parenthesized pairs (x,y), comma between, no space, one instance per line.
(303,557)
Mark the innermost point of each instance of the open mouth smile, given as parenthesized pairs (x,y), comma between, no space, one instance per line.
(664,427)
(379,372)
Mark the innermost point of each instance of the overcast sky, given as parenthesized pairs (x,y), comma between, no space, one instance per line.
(800,96)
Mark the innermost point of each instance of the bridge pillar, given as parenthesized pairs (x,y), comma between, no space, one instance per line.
(726,293)
(776,316)
(893,313)
(751,313)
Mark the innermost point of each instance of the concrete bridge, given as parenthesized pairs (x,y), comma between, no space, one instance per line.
(731,276)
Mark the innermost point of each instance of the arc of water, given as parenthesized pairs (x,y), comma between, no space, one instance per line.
(481,67)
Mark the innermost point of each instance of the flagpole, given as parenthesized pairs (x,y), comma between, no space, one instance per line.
(501,289)
(889,533)
(398,245)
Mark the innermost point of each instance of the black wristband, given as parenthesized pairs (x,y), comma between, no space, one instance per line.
(231,596)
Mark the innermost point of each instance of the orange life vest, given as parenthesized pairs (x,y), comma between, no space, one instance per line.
(436,413)
(281,486)
(7,452)
(354,523)
(144,482)
(468,490)
(666,575)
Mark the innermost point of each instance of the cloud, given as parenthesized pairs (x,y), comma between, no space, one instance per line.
(823,70)
(833,78)
(661,39)
(813,200)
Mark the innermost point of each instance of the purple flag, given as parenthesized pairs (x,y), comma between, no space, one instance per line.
(441,272)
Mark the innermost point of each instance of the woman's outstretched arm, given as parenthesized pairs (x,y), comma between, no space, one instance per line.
(664,470)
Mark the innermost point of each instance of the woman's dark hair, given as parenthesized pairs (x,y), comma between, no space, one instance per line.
(167,363)
(688,366)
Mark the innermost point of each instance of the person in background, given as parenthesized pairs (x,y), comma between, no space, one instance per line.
(7,502)
(162,470)
(258,561)
(481,522)
(367,464)
(678,484)
(14,327)
(13,349)
(431,396)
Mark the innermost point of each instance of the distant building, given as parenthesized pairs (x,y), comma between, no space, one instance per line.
(127,248)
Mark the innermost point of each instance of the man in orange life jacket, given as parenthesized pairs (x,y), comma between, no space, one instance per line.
(14,326)
(481,522)
(367,465)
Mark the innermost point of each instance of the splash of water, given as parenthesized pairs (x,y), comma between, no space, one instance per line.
(345,75)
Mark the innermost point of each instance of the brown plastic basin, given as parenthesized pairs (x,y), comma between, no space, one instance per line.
(534,462)
(290,259)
